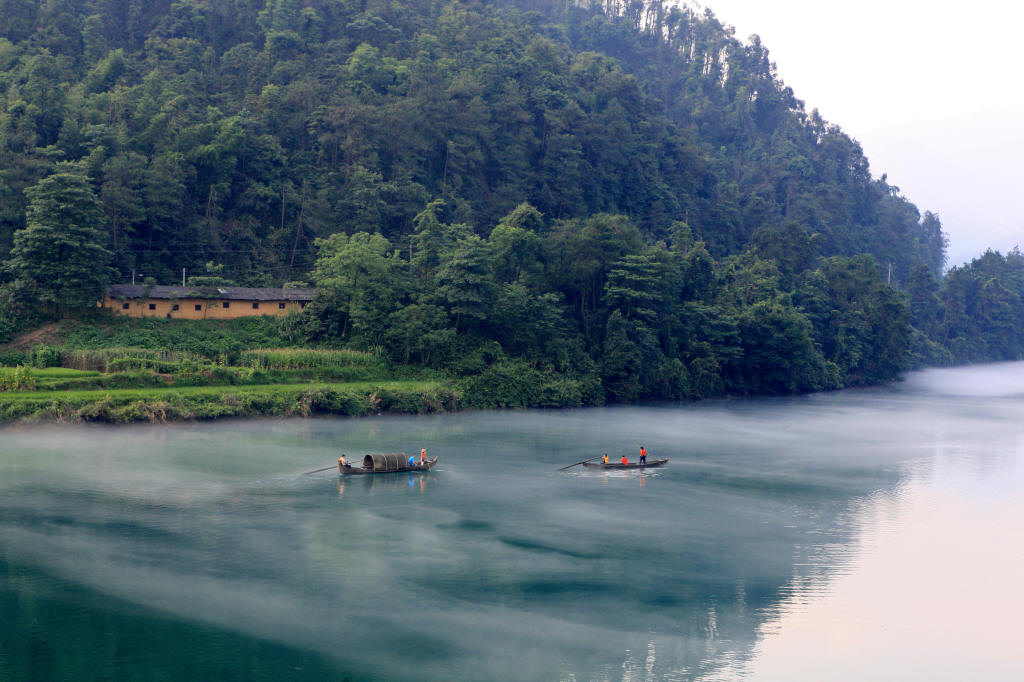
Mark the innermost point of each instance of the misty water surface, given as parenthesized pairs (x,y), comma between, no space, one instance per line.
(870,534)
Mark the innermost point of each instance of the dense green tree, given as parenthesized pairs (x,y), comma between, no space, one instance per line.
(779,353)
(983,308)
(640,285)
(518,248)
(359,283)
(122,198)
(465,286)
(922,289)
(420,333)
(792,248)
(581,253)
(866,329)
(59,252)
(433,240)
(527,324)
(622,360)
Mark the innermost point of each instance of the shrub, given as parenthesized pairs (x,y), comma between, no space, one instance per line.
(44,356)
(21,379)
(514,383)
(304,358)
(13,358)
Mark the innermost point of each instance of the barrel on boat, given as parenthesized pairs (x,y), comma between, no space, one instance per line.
(395,461)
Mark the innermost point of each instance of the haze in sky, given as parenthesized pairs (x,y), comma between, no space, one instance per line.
(931,90)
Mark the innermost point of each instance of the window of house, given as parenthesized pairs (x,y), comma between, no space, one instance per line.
(255,306)
(199,306)
(152,306)
(280,306)
(174,306)
(227,304)
(124,306)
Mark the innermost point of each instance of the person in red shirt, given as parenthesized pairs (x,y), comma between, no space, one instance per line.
(624,460)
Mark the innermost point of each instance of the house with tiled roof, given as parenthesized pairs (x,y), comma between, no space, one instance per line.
(202,303)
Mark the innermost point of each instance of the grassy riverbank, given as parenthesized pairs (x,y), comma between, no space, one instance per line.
(125,371)
(208,402)
(142,370)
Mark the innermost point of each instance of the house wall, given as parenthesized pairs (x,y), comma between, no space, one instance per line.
(209,309)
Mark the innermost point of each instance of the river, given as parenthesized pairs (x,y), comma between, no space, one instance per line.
(862,534)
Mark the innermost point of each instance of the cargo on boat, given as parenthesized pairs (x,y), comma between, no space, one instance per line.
(390,463)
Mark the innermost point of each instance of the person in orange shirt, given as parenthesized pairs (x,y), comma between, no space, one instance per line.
(643,455)
(624,460)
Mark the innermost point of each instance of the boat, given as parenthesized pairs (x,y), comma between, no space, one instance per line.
(390,463)
(632,465)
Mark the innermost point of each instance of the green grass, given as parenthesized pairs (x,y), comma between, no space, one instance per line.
(54,372)
(128,370)
(131,367)
(155,393)
(209,402)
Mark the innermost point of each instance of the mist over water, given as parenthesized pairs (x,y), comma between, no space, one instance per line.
(868,534)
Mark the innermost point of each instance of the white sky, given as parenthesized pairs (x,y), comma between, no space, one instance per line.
(931,90)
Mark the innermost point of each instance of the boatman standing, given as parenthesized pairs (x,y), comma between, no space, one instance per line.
(643,455)
(423,456)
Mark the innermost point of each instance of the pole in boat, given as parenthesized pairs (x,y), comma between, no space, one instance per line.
(578,463)
(314,471)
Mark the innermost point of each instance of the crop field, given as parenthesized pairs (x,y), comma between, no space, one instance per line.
(302,358)
(132,383)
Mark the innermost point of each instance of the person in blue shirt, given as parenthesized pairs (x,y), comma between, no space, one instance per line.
(412,461)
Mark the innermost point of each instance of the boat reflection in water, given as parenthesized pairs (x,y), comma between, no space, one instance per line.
(639,477)
(394,483)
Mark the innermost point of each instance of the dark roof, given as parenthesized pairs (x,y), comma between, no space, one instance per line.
(223,293)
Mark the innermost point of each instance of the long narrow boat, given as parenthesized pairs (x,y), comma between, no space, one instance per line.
(631,465)
(392,463)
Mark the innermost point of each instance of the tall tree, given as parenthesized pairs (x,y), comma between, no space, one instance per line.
(60,251)
(360,281)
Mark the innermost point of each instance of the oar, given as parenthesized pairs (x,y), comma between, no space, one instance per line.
(318,470)
(577,463)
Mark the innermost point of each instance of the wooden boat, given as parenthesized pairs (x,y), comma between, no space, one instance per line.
(631,465)
(391,463)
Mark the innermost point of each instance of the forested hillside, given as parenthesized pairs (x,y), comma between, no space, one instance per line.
(240,130)
(623,195)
